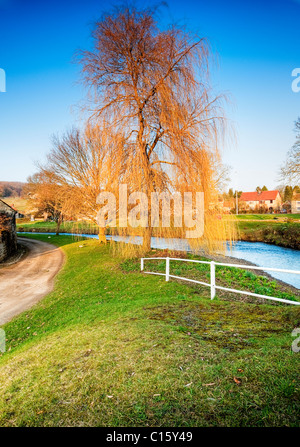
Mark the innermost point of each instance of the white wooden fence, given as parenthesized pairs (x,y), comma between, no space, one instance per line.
(212,283)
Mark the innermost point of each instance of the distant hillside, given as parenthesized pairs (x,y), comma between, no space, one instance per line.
(11,189)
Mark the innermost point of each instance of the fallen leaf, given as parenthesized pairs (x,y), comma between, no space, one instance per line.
(208,384)
(237,381)
(188,384)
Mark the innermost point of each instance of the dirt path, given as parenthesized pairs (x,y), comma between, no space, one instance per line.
(23,284)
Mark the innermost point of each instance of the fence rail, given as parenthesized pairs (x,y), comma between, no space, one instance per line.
(212,283)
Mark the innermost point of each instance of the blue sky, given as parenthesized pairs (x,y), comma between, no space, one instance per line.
(257,43)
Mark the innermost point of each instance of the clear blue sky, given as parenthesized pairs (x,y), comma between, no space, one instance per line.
(258,46)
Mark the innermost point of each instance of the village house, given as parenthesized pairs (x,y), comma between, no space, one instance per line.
(228,206)
(269,201)
(295,204)
(8,235)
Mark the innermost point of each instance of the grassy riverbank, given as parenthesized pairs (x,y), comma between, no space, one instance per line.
(111,346)
(282,231)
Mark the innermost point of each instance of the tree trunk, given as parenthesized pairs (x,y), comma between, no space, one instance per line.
(59,221)
(147,239)
(101,234)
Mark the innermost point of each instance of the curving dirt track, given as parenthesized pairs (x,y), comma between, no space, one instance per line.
(24,283)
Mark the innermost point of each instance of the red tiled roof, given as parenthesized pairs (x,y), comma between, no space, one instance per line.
(255,196)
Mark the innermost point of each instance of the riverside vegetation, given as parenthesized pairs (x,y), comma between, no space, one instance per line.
(271,229)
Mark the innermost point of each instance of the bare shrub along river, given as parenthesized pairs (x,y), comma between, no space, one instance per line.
(259,253)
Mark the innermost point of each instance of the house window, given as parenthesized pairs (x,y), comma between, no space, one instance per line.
(271,201)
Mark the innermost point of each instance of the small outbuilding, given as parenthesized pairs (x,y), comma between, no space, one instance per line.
(295,204)
(8,234)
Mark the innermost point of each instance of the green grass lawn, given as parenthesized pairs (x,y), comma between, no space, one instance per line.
(111,346)
(253,227)
(35,224)
(279,217)
(50,227)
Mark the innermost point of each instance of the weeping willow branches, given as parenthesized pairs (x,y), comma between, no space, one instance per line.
(152,87)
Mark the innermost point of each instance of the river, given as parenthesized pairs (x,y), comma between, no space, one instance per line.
(259,253)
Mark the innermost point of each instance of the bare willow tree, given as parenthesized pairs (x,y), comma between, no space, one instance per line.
(153,87)
(47,196)
(81,164)
(290,171)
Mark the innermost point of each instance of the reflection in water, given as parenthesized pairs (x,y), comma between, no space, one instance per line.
(264,255)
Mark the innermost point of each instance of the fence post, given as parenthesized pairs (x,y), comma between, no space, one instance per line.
(167,268)
(212,280)
(142,264)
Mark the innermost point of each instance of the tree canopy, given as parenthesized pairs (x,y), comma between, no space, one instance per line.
(290,170)
(152,86)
